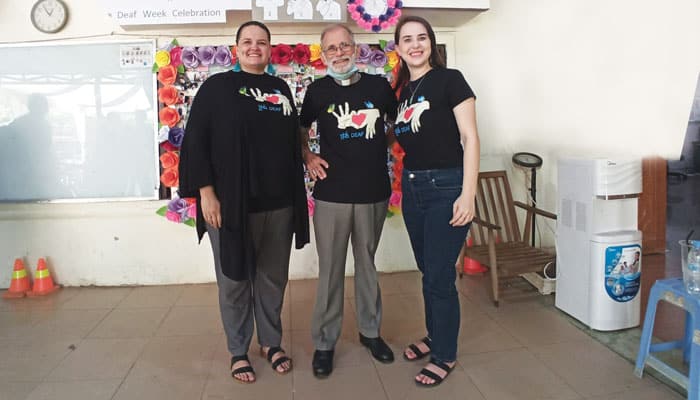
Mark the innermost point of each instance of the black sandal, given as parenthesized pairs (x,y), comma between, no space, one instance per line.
(241,370)
(432,375)
(270,353)
(419,354)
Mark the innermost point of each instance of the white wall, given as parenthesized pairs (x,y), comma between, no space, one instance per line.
(553,77)
(591,78)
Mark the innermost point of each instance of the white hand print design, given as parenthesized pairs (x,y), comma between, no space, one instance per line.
(412,114)
(273,98)
(357,119)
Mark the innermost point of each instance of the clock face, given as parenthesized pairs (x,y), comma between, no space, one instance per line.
(375,7)
(49,16)
(527,160)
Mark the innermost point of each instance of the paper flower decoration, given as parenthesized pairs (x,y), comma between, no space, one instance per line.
(168,95)
(372,20)
(302,53)
(170,177)
(190,57)
(315,50)
(181,211)
(162,58)
(281,54)
(167,75)
(223,56)
(169,116)
(180,71)
(176,56)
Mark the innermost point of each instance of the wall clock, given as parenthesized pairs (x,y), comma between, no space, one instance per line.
(49,16)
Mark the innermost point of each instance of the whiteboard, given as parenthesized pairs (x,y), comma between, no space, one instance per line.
(78,122)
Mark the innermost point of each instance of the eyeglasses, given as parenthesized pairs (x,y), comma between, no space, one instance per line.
(342,48)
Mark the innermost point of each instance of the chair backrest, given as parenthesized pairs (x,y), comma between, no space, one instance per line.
(494,204)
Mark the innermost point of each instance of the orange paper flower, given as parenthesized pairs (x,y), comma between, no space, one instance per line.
(168,95)
(169,159)
(169,116)
(167,75)
(170,177)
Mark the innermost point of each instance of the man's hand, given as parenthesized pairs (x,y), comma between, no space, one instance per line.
(315,165)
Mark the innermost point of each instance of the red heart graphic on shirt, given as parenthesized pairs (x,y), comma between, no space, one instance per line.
(358,119)
(407,114)
(273,99)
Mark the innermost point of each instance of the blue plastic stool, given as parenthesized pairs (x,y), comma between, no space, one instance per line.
(673,291)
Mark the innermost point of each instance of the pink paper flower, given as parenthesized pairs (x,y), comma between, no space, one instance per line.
(395,199)
(172,216)
(176,56)
(311,205)
(192,211)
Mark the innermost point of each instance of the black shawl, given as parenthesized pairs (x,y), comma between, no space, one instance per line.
(215,152)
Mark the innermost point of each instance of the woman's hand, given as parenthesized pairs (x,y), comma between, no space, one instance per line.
(210,206)
(315,165)
(462,210)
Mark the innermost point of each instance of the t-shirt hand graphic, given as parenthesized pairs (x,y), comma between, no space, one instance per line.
(273,98)
(357,119)
(412,114)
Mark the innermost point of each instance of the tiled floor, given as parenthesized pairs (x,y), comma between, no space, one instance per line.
(166,342)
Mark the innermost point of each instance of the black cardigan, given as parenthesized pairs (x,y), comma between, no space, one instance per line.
(215,152)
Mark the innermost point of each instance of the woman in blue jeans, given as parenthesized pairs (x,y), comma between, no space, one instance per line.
(436,126)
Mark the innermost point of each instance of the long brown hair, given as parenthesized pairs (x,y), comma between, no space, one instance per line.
(435,59)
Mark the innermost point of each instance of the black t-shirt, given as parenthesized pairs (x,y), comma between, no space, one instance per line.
(350,122)
(425,124)
(267,107)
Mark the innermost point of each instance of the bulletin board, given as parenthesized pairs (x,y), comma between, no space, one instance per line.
(78,122)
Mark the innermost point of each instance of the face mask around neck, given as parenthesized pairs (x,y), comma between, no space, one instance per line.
(342,77)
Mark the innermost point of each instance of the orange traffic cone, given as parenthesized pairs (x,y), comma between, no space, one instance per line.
(43,283)
(19,285)
(471,266)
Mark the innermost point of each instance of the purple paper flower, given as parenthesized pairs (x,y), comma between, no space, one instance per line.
(176,135)
(363,53)
(190,58)
(223,56)
(377,58)
(178,206)
(390,46)
(206,55)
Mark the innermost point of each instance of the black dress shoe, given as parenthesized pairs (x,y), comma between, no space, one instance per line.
(379,349)
(322,363)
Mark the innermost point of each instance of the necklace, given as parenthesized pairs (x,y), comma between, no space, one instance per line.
(413,91)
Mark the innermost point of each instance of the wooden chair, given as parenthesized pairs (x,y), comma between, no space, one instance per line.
(498,242)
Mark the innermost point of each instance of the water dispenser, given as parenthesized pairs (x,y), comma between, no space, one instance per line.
(599,252)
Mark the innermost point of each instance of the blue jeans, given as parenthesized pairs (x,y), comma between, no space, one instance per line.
(428,196)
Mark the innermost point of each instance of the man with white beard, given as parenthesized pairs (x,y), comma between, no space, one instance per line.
(351,192)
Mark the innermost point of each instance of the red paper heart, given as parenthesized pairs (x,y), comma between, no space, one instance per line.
(358,119)
(273,99)
(407,114)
